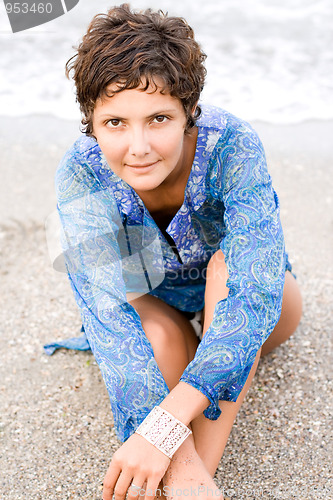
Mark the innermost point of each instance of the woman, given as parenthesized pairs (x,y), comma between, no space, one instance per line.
(174,251)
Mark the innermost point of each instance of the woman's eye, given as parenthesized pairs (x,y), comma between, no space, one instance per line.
(113,123)
(160,118)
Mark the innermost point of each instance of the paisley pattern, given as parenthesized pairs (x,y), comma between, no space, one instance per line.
(113,246)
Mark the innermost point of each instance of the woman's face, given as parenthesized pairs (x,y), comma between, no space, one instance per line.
(141,134)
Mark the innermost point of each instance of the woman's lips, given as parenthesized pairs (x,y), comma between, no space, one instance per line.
(145,167)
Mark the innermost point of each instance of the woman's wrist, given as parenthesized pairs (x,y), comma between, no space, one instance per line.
(166,426)
(185,402)
(164,431)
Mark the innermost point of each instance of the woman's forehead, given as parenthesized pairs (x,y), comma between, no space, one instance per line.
(150,84)
(136,98)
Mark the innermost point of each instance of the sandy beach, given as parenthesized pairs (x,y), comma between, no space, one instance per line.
(56,427)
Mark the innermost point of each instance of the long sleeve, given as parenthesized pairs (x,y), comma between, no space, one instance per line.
(91,231)
(253,247)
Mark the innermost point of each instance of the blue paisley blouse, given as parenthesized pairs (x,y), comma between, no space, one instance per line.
(113,246)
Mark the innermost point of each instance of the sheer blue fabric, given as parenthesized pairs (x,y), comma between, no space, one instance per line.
(112,246)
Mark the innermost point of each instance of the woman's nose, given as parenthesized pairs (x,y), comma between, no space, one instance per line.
(139,142)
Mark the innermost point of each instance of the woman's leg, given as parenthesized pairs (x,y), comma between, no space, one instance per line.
(290,315)
(171,335)
(211,436)
(160,321)
(174,343)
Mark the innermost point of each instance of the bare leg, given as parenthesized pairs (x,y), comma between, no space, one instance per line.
(211,436)
(290,315)
(171,335)
(201,455)
(168,333)
(172,338)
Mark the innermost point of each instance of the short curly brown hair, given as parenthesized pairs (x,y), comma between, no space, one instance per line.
(131,48)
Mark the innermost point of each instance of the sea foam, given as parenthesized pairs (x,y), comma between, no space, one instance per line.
(267,60)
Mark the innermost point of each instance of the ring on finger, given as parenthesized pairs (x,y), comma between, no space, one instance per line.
(136,488)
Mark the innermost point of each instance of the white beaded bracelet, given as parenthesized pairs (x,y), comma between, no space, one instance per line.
(163,430)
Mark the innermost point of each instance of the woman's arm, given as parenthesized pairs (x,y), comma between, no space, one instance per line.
(96,265)
(185,402)
(254,253)
(90,237)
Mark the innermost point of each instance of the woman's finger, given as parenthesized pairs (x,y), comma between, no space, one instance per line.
(152,489)
(110,480)
(136,488)
(123,484)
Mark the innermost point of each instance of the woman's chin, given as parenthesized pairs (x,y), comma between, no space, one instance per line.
(143,185)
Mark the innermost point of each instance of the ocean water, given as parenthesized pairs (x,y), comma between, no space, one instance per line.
(269,60)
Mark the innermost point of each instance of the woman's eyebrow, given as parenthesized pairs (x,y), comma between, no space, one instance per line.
(162,112)
(155,113)
(107,115)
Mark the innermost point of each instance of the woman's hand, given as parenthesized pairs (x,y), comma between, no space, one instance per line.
(134,463)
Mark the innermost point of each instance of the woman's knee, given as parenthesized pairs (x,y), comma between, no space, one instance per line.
(165,327)
(162,331)
(216,268)
(291,313)
(216,286)
(169,346)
